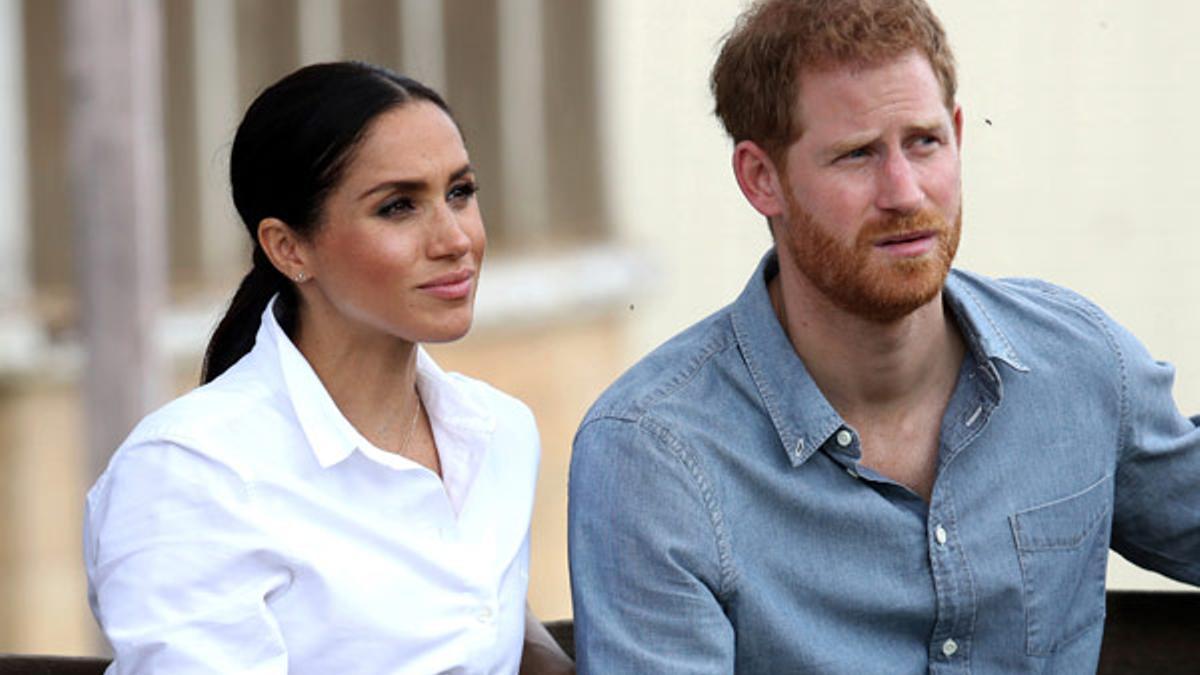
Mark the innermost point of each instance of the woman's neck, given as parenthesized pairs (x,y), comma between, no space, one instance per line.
(370,375)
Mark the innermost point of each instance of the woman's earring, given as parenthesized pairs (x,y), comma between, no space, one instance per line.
(300,277)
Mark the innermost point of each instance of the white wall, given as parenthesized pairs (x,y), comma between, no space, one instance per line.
(1085,176)
(672,190)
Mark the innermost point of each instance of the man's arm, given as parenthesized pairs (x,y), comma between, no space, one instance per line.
(1156,512)
(646,542)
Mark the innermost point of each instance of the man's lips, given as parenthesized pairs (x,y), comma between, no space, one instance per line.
(909,243)
(452,286)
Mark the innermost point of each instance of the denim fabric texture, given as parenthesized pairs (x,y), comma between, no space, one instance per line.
(720,521)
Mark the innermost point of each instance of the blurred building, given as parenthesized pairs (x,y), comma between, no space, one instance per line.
(613,217)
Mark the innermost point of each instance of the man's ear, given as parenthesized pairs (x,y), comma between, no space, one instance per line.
(286,250)
(958,125)
(760,180)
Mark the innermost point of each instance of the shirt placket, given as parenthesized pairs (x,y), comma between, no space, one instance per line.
(954,588)
(950,642)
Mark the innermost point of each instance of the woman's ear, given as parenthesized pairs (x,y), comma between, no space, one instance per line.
(760,180)
(285,249)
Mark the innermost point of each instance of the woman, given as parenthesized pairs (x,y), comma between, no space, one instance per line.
(330,501)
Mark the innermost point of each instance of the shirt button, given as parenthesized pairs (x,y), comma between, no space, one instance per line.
(844,438)
(939,533)
(949,647)
(484,615)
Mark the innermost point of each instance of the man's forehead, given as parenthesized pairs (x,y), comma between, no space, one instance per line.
(830,93)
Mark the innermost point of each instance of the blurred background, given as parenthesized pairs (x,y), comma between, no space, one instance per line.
(613,217)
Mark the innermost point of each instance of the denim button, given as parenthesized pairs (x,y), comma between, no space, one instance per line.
(949,647)
(844,438)
(939,533)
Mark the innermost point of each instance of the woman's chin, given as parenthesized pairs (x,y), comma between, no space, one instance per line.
(448,332)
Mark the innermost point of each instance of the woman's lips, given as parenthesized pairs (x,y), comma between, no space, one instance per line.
(909,245)
(453,286)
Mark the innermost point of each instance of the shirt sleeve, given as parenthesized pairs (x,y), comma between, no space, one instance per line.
(646,546)
(1156,513)
(178,572)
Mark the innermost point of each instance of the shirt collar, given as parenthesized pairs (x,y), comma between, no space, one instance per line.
(458,417)
(982,334)
(803,418)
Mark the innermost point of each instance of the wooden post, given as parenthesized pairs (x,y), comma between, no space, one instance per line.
(114,63)
(523,176)
(423,42)
(14,186)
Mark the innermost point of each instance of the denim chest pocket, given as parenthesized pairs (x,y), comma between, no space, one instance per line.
(1063,550)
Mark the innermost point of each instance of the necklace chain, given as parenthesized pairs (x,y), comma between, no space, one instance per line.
(412,426)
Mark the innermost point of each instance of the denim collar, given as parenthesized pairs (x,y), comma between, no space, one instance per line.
(802,416)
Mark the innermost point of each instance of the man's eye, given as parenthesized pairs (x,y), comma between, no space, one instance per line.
(857,153)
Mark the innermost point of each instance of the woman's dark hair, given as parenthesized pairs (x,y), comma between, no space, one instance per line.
(290,151)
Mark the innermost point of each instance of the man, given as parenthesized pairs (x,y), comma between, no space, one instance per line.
(869,463)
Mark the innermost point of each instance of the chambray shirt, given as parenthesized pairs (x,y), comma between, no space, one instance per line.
(720,520)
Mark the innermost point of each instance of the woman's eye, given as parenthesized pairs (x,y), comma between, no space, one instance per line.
(392,208)
(463,191)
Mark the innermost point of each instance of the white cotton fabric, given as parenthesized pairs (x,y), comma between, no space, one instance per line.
(247,527)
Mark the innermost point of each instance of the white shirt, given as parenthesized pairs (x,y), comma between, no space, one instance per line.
(247,527)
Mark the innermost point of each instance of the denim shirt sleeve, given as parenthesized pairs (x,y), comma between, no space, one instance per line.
(1156,515)
(645,549)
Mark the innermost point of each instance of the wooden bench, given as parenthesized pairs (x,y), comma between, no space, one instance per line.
(1143,633)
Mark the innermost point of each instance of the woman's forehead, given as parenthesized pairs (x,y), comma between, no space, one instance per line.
(414,140)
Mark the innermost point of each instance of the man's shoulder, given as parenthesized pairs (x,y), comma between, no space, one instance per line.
(1034,316)
(668,371)
(1024,296)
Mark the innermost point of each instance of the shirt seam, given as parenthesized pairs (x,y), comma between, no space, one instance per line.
(1098,321)
(194,445)
(635,410)
(699,480)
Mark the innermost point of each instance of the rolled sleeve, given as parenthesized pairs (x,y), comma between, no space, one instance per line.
(646,542)
(178,572)
(1156,517)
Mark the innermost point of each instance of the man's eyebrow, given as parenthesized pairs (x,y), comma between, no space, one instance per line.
(414,184)
(851,143)
(932,128)
(845,145)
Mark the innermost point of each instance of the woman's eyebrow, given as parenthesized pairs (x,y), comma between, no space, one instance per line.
(414,184)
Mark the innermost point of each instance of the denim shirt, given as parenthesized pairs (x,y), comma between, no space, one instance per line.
(720,520)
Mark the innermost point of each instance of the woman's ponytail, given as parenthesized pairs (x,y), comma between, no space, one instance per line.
(234,336)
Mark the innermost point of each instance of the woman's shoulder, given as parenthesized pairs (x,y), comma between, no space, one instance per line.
(217,420)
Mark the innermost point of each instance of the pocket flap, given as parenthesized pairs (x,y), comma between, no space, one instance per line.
(1063,523)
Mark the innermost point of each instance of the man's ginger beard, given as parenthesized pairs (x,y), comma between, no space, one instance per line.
(861,280)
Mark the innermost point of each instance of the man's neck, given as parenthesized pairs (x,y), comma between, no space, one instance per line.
(867,369)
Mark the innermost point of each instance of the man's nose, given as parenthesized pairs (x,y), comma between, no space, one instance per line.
(898,186)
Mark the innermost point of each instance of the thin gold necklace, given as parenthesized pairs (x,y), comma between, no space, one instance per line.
(412,426)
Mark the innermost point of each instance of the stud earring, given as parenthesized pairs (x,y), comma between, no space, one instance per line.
(300,277)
